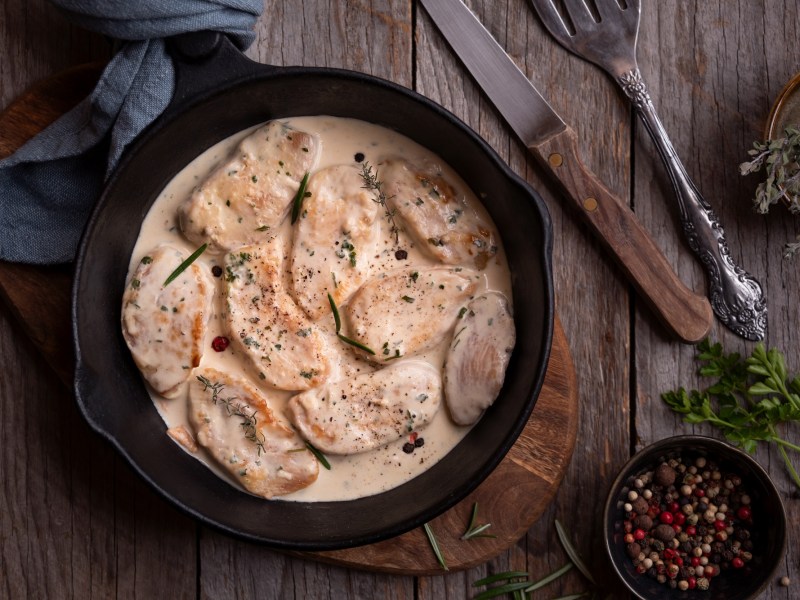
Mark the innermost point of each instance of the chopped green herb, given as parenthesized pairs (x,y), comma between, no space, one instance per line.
(304,332)
(254,179)
(408,299)
(297,203)
(262,228)
(309,374)
(415,276)
(146,260)
(185,264)
(462,312)
(135,284)
(320,456)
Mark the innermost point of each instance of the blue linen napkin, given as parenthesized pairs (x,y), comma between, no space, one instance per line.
(49,186)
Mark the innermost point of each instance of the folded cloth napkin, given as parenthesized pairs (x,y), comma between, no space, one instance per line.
(48,187)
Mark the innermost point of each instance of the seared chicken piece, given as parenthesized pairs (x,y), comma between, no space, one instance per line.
(435,216)
(362,413)
(478,357)
(269,328)
(235,423)
(408,310)
(245,199)
(164,327)
(334,239)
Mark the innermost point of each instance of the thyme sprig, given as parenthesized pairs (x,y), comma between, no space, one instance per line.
(184,265)
(372,183)
(473,529)
(732,404)
(338,322)
(780,158)
(235,409)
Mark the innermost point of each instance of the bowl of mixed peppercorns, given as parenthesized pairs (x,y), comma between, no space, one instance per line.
(694,517)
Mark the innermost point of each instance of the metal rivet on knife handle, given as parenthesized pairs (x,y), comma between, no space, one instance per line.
(555,159)
(590,204)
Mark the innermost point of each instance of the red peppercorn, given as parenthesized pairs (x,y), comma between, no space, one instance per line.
(653,512)
(668,554)
(679,519)
(412,437)
(690,530)
(699,493)
(695,561)
(673,507)
(639,534)
(744,513)
(220,343)
(629,539)
(665,517)
(719,525)
(737,563)
(678,561)
(692,583)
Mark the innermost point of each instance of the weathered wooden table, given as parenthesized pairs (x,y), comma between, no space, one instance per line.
(74,520)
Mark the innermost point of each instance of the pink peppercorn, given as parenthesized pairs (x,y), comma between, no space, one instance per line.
(699,493)
(220,343)
(692,583)
(679,519)
(719,525)
(665,517)
(639,534)
(737,563)
(744,513)
(690,530)
(673,507)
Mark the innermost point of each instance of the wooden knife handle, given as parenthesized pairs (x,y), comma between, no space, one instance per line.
(686,314)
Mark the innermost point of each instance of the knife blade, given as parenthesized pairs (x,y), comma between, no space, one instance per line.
(555,145)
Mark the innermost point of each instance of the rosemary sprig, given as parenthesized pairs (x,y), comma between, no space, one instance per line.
(573,553)
(235,409)
(473,529)
(338,321)
(297,203)
(435,546)
(371,182)
(320,456)
(184,265)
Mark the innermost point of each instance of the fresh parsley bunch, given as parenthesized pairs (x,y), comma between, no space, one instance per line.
(750,399)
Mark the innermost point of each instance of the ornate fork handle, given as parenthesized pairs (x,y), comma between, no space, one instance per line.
(736,297)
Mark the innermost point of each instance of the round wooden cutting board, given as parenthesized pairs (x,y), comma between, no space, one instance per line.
(512,498)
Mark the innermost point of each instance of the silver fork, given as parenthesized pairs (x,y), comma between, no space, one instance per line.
(735,296)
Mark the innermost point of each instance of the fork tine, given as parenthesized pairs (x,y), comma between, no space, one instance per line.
(580,16)
(611,9)
(552,20)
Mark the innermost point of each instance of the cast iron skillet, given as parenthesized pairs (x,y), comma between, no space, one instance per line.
(220,92)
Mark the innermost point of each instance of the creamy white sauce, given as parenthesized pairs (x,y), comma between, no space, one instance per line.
(356,475)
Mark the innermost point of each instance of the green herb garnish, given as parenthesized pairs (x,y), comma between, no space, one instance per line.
(338,321)
(185,264)
(732,403)
(320,456)
(435,546)
(573,553)
(236,409)
(297,203)
(408,299)
(473,529)
(371,182)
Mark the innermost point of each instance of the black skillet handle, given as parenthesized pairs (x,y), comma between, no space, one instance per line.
(205,62)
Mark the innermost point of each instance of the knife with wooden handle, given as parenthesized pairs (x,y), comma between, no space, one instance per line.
(684,313)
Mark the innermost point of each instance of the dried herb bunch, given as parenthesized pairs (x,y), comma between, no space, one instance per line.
(236,409)
(780,158)
(371,182)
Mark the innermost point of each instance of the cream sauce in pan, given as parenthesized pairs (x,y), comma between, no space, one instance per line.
(340,140)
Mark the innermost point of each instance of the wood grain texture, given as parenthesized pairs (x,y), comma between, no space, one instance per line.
(39,298)
(713,69)
(685,314)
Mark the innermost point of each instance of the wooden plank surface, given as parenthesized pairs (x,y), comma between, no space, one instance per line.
(72,517)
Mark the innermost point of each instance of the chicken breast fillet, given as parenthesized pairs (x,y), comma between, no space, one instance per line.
(334,240)
(244,200)
(233,420)
(164,327)
(362,413)
(435,216)
(478,356)
(408,310)
(287,350)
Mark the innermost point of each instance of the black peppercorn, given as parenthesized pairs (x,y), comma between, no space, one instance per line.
(216,271)
(359,157)
(401,255)
(408,447)
(419,442)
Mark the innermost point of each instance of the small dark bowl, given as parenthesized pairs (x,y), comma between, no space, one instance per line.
(768,535)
